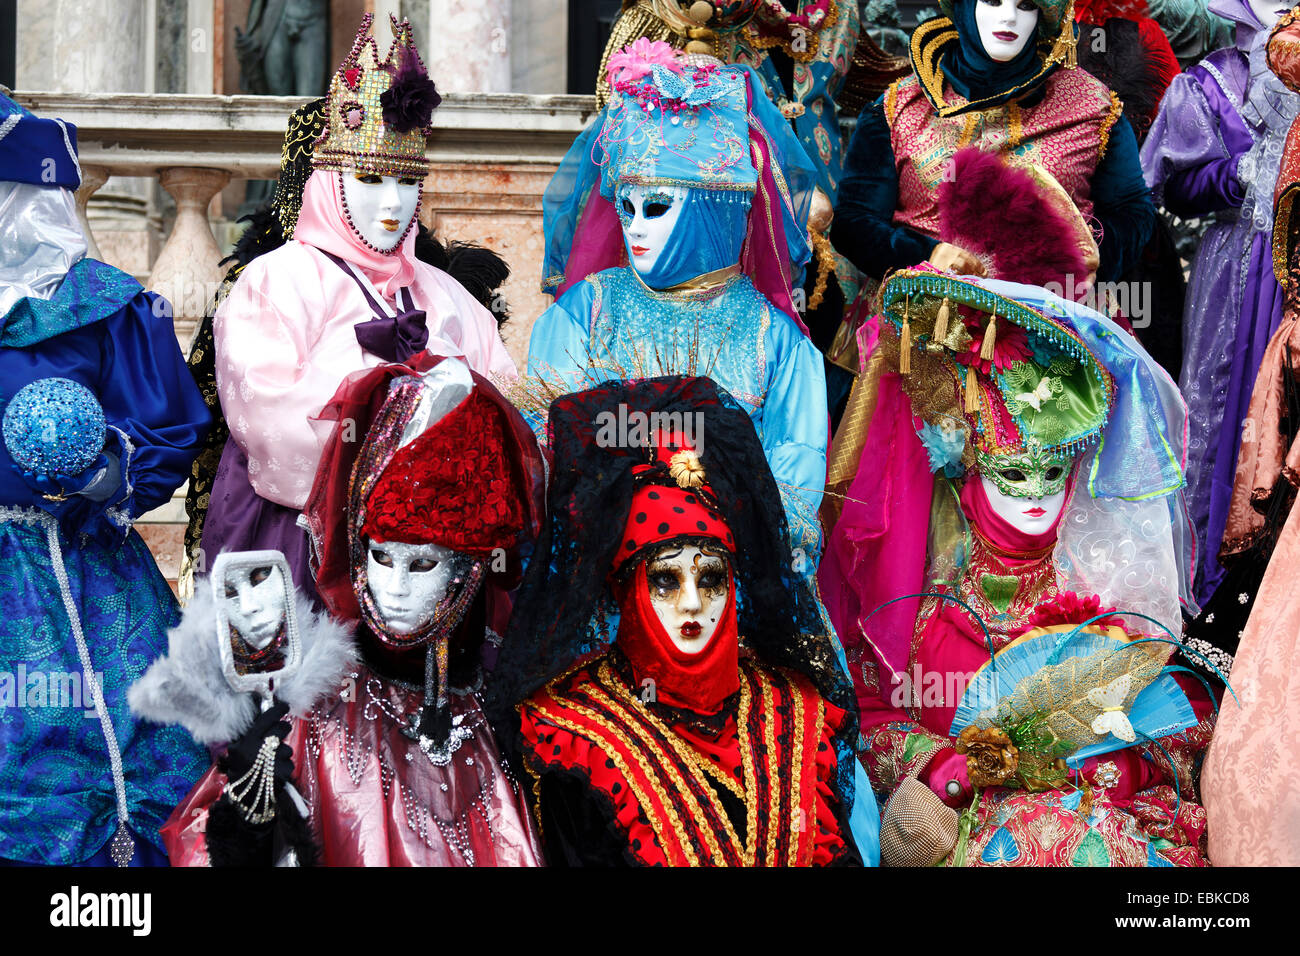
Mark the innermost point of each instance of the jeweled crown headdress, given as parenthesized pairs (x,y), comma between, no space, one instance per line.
(378,111)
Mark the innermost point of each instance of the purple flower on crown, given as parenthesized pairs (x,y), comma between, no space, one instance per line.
(409,103)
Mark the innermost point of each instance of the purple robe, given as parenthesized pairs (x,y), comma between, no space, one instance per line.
(249,522)
(1234,303)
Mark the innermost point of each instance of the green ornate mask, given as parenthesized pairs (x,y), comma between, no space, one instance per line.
(1032,473)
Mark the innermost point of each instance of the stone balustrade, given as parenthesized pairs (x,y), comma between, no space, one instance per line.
(491,158)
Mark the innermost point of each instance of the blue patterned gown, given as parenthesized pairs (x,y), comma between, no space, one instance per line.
(58,800)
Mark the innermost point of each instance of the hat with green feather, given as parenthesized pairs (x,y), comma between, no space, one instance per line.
(993,379)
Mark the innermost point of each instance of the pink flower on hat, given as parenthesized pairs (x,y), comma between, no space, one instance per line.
(638,59)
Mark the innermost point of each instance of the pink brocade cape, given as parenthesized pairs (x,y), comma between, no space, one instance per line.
(1251,781)
(1066,133)
(284,340)
(375,799)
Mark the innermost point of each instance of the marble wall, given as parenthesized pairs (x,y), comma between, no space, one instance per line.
(498,206)
(539,46)
(469,45)
(67,46)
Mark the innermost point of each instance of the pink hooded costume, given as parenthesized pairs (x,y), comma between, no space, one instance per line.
(288,334)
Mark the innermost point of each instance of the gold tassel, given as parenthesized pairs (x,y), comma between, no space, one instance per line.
(941,323)
(972,390)
(990,338)
(905,343)
(1065,49)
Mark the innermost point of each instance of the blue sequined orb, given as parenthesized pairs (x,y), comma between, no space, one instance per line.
(54,426)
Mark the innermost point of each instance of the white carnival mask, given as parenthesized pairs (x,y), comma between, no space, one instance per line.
(649,215)
(254,599)
(1028,514)
(407,581)
(1005,27)
(688,591)
(1267,12)
(380,208)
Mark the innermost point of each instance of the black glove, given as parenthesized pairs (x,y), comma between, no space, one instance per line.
(241,754)
(234,840)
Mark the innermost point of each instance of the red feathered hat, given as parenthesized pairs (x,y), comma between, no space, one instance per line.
(473,481)
(451,486)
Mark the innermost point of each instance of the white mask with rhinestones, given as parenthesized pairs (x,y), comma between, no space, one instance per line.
(1005,27)
(407,581)
(380,208)
(688,591)
(255,603)
(1027,515)
(649,215)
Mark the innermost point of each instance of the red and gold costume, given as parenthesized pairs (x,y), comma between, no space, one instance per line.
(653,751)
(672,785)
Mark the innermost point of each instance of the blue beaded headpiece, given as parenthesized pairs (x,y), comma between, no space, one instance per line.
(710,129)
(678,125)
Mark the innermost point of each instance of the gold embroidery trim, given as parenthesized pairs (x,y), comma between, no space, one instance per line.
(536,779)
(779,254)
(608,681)
(968,130)
(705,286)
(656,823)
(796,775)
(778,174)
(718,774)
(748,762)
(641,742)
(600,690)
(1108,123)
(1281,231)
(928,41)
(774,779)
(824,256)
(802,855)
(891,103)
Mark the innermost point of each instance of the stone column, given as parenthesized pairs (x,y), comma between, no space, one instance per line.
(92,178)
(468,48)
(186,272)
(539,40)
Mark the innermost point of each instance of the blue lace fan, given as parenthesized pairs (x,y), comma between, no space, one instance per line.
(1097,690)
